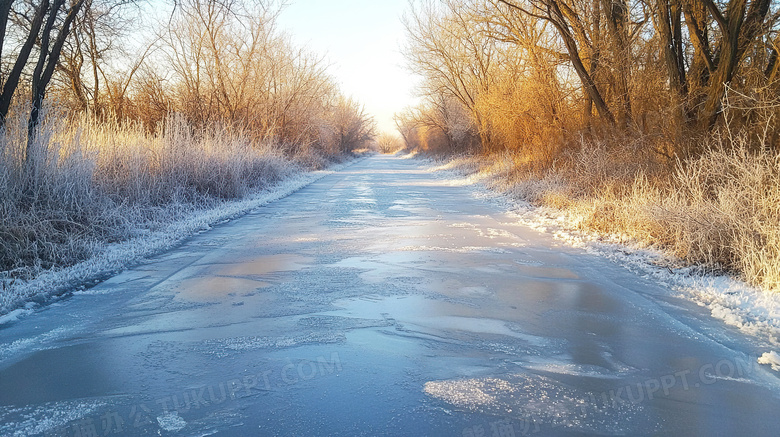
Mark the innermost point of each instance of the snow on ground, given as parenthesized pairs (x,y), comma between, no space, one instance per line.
(20,297)
(737,303)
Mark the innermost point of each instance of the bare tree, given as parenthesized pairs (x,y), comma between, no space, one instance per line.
(230,66)
(351,127)
(98,40)
(721,36)
(454,53)
(49,26)
(571,26)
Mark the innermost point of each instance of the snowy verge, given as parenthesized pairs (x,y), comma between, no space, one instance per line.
(21,297)
(752,310)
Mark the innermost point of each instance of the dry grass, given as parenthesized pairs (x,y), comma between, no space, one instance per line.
(88,183)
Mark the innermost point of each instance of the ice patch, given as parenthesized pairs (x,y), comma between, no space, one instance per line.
(328,322)
(41,419)
(563,364)
(463,225)
(580,370)
(541,400)
(171,422)
(476,291)
(711,377)
(30,344)
(770,358)
(225,347)
(463,249)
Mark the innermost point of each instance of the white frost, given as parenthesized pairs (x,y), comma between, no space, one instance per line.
(171,422)
(40,419)
(770,358)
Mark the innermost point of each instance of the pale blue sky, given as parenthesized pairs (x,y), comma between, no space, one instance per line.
(361,40)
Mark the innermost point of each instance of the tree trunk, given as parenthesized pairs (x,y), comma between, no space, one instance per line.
(558,20)
(739,27)
(12,80)
(702,64)
(669,27)
(617,23)
(47,62)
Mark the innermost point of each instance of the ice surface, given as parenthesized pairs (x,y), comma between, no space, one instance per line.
(320,312)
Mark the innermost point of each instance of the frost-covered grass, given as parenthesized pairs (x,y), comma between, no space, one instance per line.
(93,197)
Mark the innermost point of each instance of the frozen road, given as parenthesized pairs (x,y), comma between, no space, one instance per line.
(379,300)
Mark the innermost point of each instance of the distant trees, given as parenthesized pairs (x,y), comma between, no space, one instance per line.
(348,126)
(212,62)
(531,73)
(225,62)
(455,56)
(389,143)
